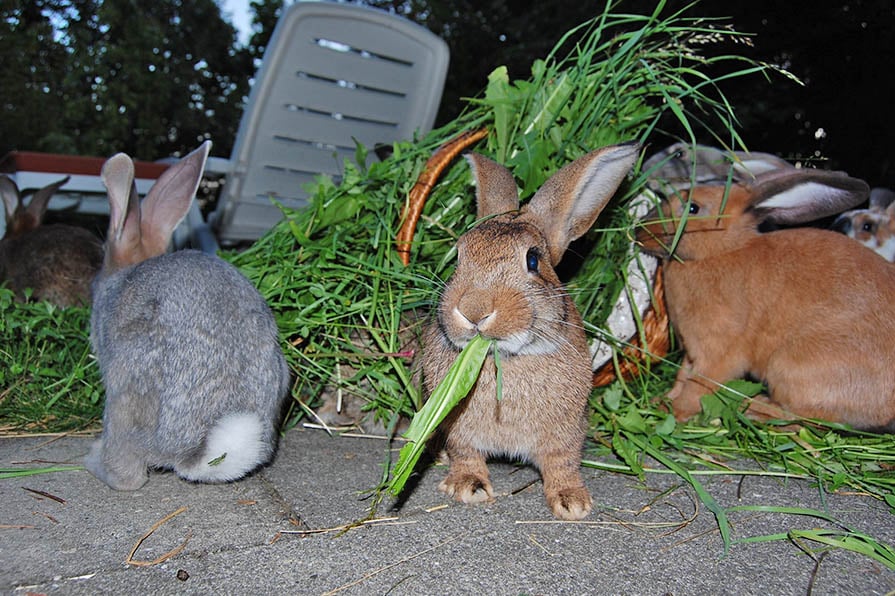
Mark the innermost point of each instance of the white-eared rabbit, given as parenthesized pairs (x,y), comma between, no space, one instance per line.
(187,347)
(873,227)
(807,311)
(677,166)
(58,261)
(504,288)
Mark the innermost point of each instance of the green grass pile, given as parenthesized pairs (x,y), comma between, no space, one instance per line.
(331,271)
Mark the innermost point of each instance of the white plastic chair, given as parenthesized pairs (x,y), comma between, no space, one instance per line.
(332,75)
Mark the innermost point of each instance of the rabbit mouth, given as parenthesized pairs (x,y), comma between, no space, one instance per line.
(653,241)
(522,343)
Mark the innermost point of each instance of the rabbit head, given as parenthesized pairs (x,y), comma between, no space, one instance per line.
(505,265)
(873,227)
(682,165)
(139,232)
(505,288)
(699,222)
(19,218)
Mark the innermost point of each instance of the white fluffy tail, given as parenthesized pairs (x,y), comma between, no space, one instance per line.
(234,447)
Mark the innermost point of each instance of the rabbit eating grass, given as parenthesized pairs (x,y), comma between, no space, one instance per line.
(504,288)
(187,347)
(807,311)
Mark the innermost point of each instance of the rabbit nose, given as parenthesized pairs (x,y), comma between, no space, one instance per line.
(477,310)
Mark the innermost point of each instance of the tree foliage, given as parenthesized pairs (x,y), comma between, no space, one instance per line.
(149,77)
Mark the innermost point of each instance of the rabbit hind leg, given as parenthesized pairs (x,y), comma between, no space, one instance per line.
(119,466)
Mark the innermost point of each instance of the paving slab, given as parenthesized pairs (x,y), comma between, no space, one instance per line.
(294,528)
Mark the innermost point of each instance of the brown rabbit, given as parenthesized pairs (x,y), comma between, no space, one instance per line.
(58,262)
(504,288)
(807,311)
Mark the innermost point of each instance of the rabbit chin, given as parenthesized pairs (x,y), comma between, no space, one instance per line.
(521,343)
(234,447)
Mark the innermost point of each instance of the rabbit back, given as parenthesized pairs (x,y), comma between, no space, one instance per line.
(189,354)
(789,308)
(58,262)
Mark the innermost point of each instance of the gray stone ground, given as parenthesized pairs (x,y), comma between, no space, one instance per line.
(647,537)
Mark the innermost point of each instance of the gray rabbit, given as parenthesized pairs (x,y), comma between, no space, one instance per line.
(58,261)
(187,347)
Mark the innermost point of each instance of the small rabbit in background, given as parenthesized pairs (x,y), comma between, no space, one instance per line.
(784,306)
(504,288)
(58,261)
(187,347)
(683,165)
(873,227)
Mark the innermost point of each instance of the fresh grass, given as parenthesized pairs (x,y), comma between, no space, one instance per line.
(49,382)
(459,380)
(331,271)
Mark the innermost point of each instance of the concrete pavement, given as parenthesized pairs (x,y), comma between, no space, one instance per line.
(277,532)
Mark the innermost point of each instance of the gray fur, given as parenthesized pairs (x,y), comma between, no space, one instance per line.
(183,340)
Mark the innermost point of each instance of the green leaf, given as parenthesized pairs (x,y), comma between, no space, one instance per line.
(457,383)
(497,95)
(6,473)
(218,460)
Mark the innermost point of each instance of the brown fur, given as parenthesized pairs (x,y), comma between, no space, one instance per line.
(494,292)
(57,262)
(807,311)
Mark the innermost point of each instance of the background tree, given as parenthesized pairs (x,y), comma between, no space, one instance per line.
(31,101)
(99,79)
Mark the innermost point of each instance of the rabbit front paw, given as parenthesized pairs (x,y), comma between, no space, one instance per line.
(467,487)
(570,503)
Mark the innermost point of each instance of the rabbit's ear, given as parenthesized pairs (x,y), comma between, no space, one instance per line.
(802,195)
(890,212)
(881,198)
(495,187)
(749,165)
(169,199)
(10,193)
(37,207)
(567,205)
(124,205)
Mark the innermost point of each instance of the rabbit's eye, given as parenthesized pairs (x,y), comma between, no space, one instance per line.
(694,209)
(868,227)
(531,260)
